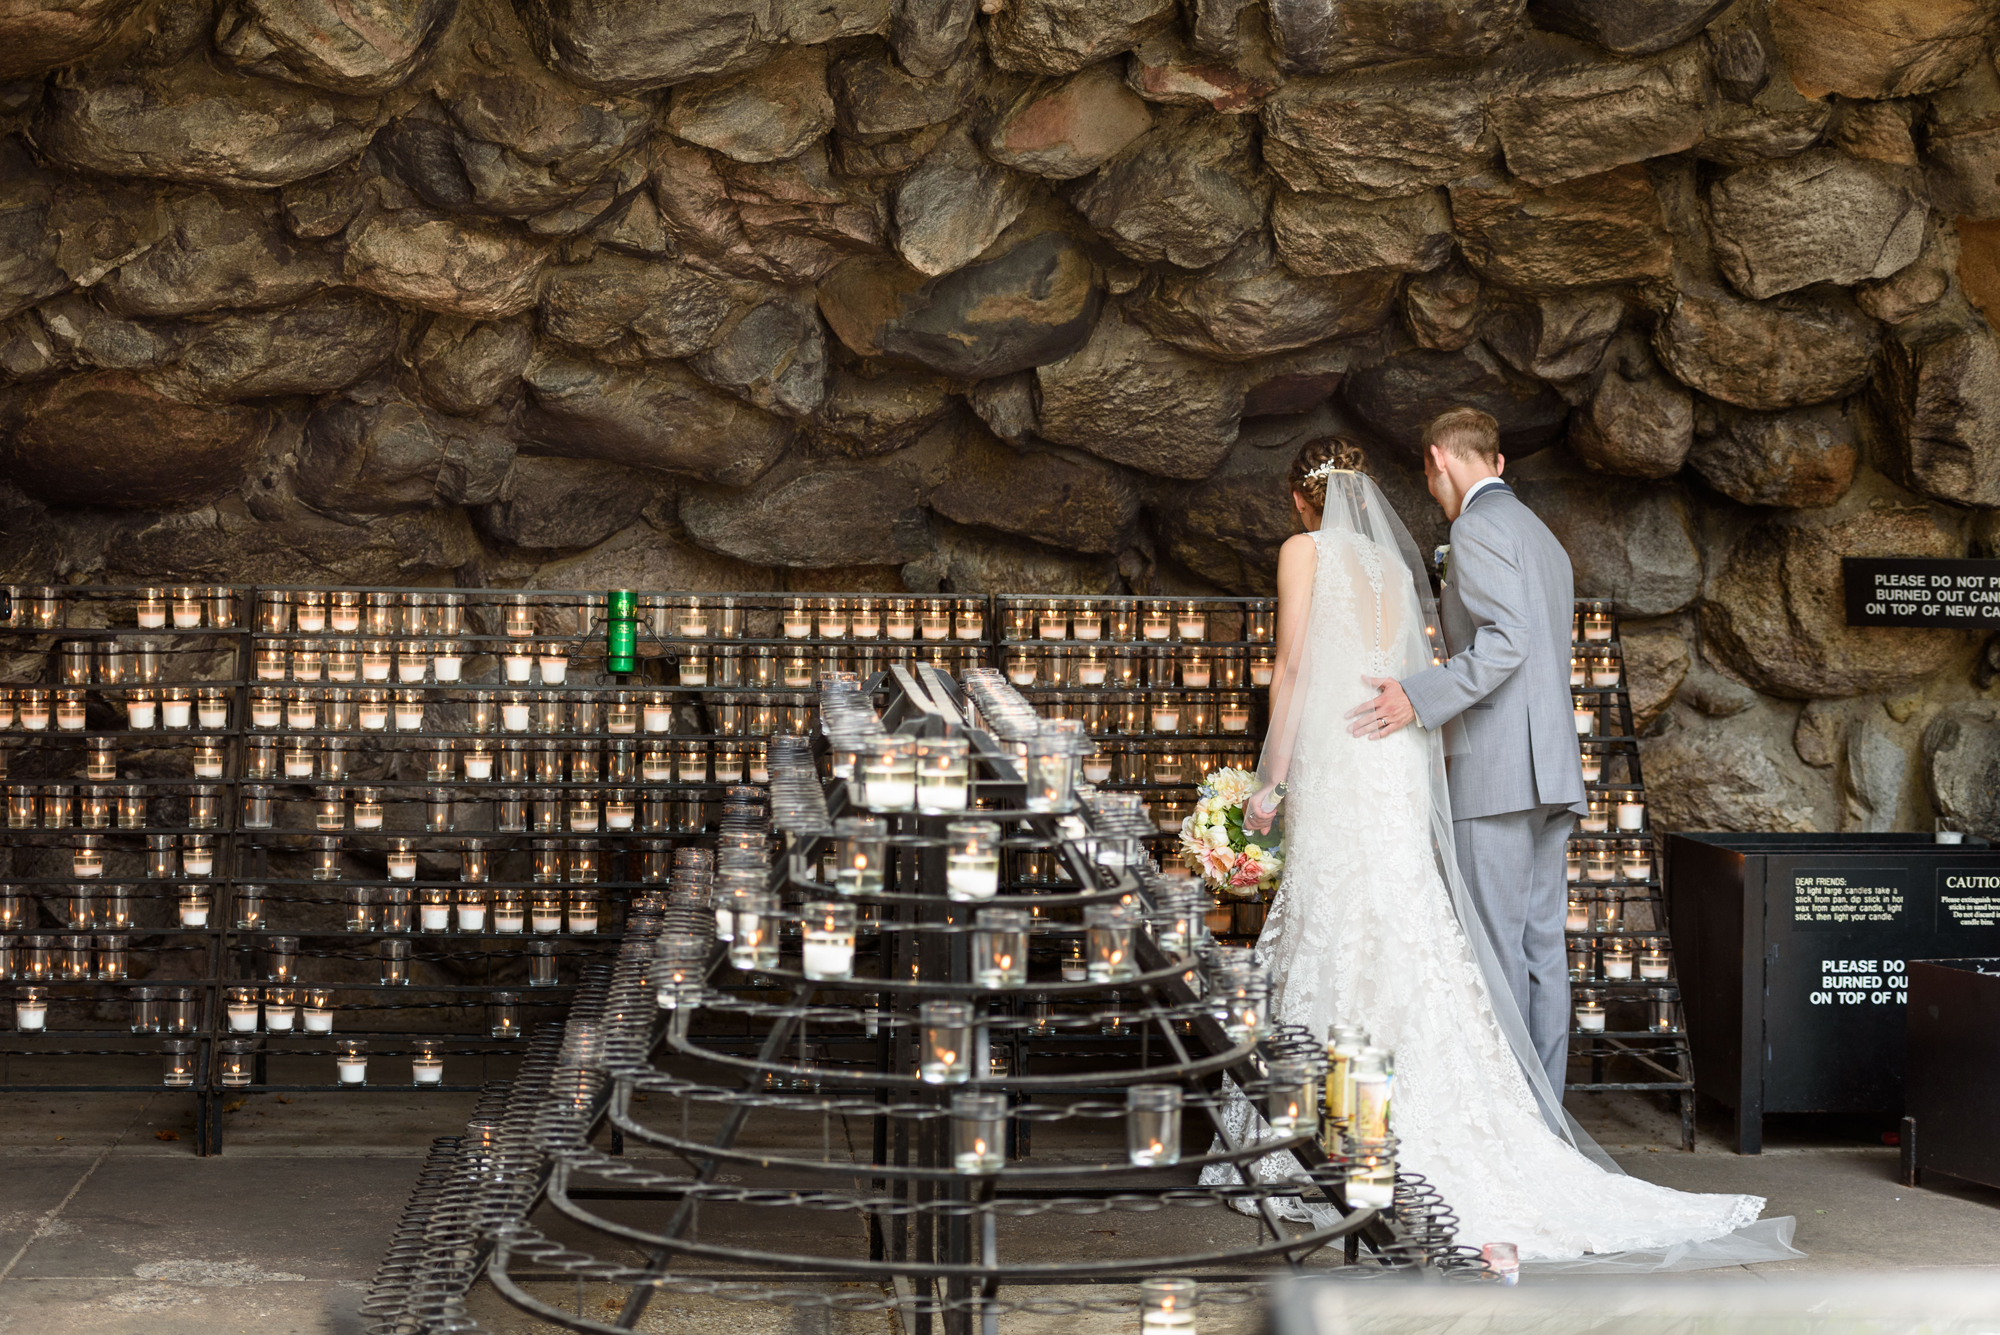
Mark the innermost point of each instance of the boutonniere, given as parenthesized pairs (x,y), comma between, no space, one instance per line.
(1441,558)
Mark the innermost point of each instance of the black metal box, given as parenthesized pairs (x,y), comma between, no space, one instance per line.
(1792,951)
(1951,1084)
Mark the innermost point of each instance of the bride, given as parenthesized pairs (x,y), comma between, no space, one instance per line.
(1371,924)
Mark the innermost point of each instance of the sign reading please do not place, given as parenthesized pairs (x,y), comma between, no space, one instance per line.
(1922,591)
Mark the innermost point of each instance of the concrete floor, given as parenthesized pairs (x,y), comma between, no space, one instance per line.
(110,1226)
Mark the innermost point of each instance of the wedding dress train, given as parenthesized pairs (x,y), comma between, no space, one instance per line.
(1363,930)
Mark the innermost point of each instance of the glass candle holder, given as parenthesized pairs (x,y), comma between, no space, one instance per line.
(510,912)
(178,1057)
(899,619)
(545,911)
(753,941)
(409,711)
(864,619)
(1615,959)
(1600,861)
(514,712)
(393,957)
(585,908)
(541,964)
(1592,759)
(371,710)
(1000,948)
(434,911)
(944,771)
(248,903)
(145,1017)
(946,1055)
(1596,621)
(1584,708)
(86,860)
(281,1010)
(194,903)
(377,660)
(1152,1126)
(1629,808)
(343,661)
(1108,953)
(1166,1307)
(351,1061)
(1051,765)
(978,1133)
(240,1006)
(471,902)
(972,860)
(861,854)
(934,619)
(427,1062)
(281,959)
(317,1010)
(1244,994)
(1636,859)
(828,951)
(889,775)
(503,1016)
(403,861)
(1577,919)
(1588,1010)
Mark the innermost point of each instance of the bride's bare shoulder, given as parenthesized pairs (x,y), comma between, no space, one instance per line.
(1301,549)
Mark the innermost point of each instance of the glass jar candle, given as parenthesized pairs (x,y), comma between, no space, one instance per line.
(281,1010)
(448,661)
(240,1007)
(318,1011)
(899,619)
(197,855)
(1596,621)
(1291,1096)
(360,908)
(828,949)
(943,775)
(1596,818)
(409,711)
(861,854)
(427,1062)
(503,1016)
(1152,1126)
(621,716)
(178,1057)
(1636,859)
(378,614)
(889,775)
(393,958)
(864,619)
(145,1017)
(972,860)
(1000,948)
(1630,809)
(343,612)
(1108,956)
(1593,761)
(1600,861)
(545,911)
(947,1051)
(402,861)
(1244,994)
(934,619)
(413,661)
(371,710)
(541,964)
(471,902)
(149,609)
(510,912)
(1615,958)
(351,1061)
(439,811)
(1166,712)
(1023,669)
(1589,1011)
(376,660)
(1156,622)
(753,931)
(34,709)
(281,959)
(343,663)
(70,711)
(434,913)
(978,1133)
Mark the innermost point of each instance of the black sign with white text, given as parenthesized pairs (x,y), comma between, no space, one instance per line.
(1922,591)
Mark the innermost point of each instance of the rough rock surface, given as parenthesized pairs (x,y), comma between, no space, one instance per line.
(1378,133)
(1064,498)
(1962,769)
(1128,397)
(1593,230)
(1777,618)
(371,453)
(1784,353)
(1628,541)
(1396,399)
(1326,235)
(1798,460)
(1070,129)
(1820,217)
(1937,397)
(1878,48)
(1638,421)
(1250,305)
(349,47)
(1182,194)
(1724,774)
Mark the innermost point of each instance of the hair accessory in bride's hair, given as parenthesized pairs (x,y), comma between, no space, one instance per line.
(1325,471)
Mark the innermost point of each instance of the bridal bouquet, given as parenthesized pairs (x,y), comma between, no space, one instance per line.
(1213,841)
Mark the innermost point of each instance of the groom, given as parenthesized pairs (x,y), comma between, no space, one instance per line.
(1507,609)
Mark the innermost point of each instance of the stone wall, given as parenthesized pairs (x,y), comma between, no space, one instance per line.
(1036,294)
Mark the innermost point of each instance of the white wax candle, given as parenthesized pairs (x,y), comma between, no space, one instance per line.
(375,717)
(353,1073)
(1599,873)
(507,920)
(471,917)
(1021,676)
(1074,971)
(798,627)
(1195,676)
(583,819)
(943,796)
(374,669)
(178,713)
(198,862)
(659,718)
(1593,769)
(902,630)
(367,820)
(583,920)
(1576,673)
(1600,634)
(298,765)
(409,669)
(1631,815)
(690,629)
(31,1015)
(1594,823)
(1235,720)
(437,917)
(1090,674)
(278,1019)
(346,618)
(428,1073)
(829,956)
(1591,1022)
(1260,674)
(479,765)
(1088,628)
(402,866)
(971,626)
(971,878)
(1193,628)
(691,675)
(1577,920)
(449,667)
(312,620)
(1586,722)
(152,616)
(554,670)
(1652,970)
(1604,676)
(892,794)
(1054,628)
(262,714)
(319,1021)
(618,818)
(194,917)
(1157,631)
(1096,770)
(1620,969)
(243,1019)
(656,773)
(514,717)
(547,922)
(625,725)
(213,715)
(207,769)
(518,666)
(141,713)
(1166,720)
(36,717)
(409,717)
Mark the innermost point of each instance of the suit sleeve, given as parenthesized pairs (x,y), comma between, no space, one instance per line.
(1486,566)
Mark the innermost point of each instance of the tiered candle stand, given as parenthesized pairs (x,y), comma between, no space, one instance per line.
(1626,1020)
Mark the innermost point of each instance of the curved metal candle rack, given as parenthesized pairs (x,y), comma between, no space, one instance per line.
(933,1241)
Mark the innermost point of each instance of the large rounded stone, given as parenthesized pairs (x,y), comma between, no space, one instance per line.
(764,115)
(970,560)
(798,218)
(642,557)
(1441,309)
(376,453)
(1183,194)
(873,95)
(1399,397)
(1637,421)
(28,246)
(1032,302)
(1961,137)
(1937,399)
(1324,235)
(1878,48)
(1629,27)
(350,46)
(1378,133)
(1732,774)
(826,512)
(320,344)
(1820,217)
(1588,232)
(1656,657)
(1557,338)
(108,439)
(772,354)
(1798,460)
(1066,499)
(1785,353)
(877,409)
(1777,614)
(1127,397)
(191,123)
(1962,769)
(446,265)
(656,308)
(659,416)
(635,44)
(465,365)
(227,543)
(928,35)
(1630,541)
(1061,36)
(1314,36)
(1070,129)
(1251,306)
(954,205)
(566,503)
(217,253)
(1165,69)
(1570,111)
(39,35)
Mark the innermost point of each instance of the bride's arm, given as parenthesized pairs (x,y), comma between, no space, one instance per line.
(1296,562)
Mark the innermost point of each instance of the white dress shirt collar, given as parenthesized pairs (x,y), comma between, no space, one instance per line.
(1478,487)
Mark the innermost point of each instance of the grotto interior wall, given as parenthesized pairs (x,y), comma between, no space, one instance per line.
(1037,294)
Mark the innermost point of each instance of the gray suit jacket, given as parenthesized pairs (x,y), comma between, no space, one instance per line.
(1509,611)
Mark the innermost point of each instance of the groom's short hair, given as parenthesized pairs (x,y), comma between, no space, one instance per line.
(1467,433)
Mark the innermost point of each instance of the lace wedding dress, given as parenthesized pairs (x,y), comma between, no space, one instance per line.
(1363,930)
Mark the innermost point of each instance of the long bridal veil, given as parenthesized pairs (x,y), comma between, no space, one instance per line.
(1355,505)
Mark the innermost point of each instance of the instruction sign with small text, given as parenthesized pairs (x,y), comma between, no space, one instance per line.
(1956,594)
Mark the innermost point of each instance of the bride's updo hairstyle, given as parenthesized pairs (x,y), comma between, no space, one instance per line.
(1317,454)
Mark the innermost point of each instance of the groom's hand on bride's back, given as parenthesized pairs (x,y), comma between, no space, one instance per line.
(1388,711)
